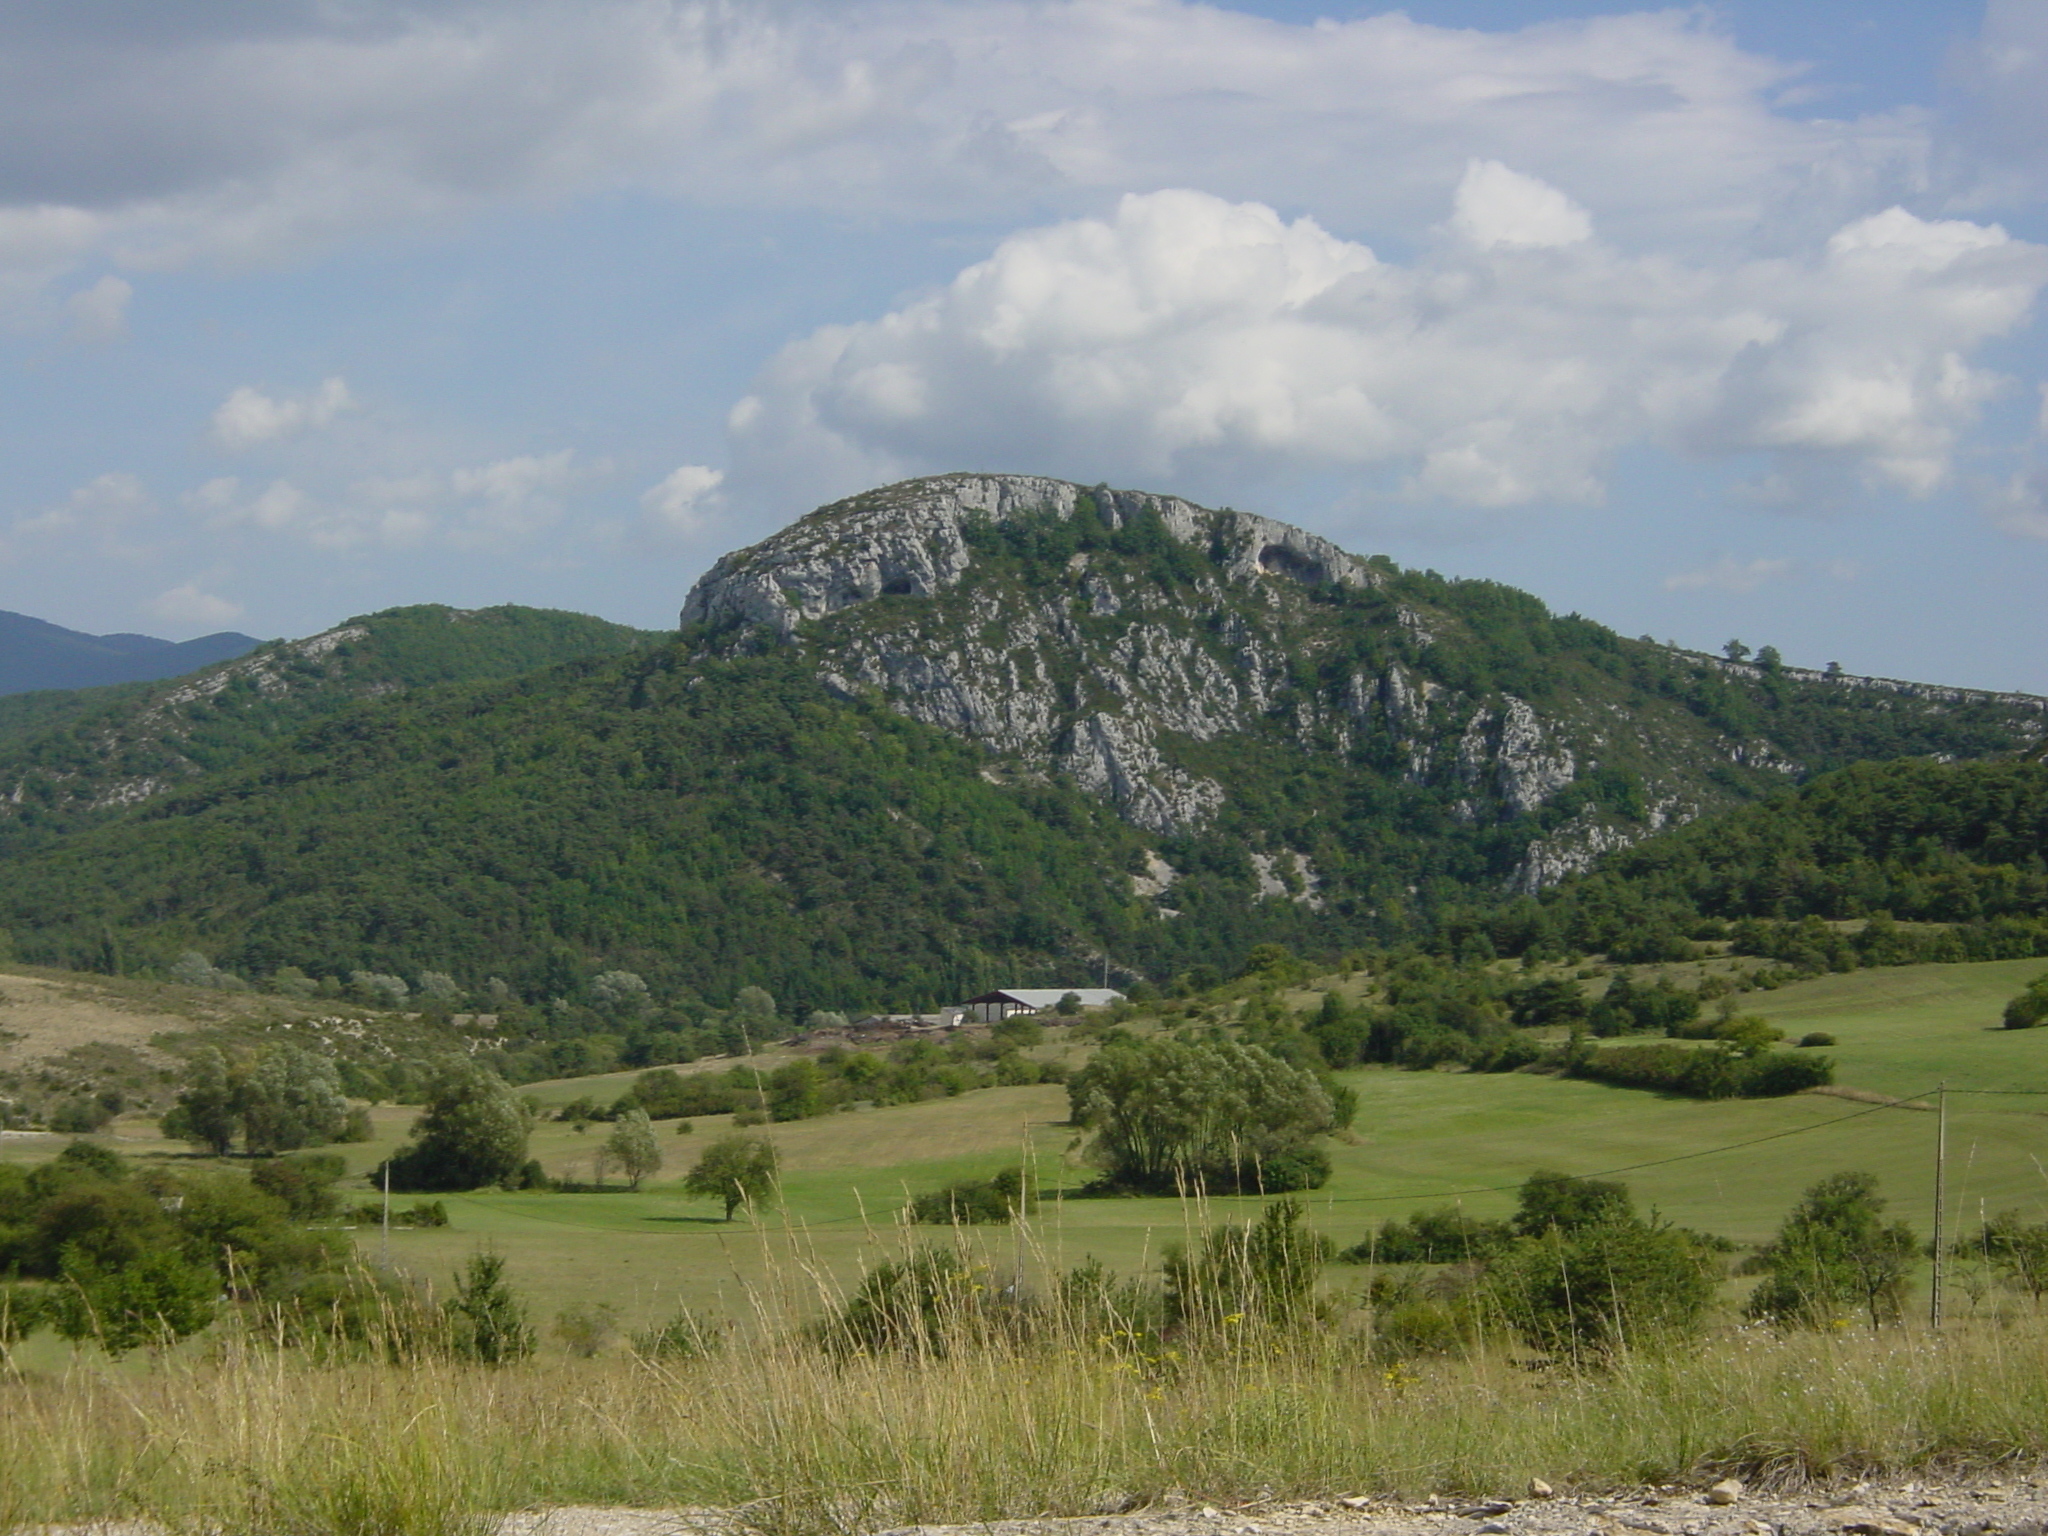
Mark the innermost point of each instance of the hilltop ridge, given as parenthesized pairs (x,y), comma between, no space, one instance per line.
(968,731)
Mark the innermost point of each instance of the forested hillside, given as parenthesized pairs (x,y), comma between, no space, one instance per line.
(952,734)
(71,760)
(1959,845)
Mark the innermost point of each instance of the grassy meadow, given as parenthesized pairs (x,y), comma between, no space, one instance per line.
(228,1435)
(1420,1138)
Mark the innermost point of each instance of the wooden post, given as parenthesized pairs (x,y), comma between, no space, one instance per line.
(1940,1200)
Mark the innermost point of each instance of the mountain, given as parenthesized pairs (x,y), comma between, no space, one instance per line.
(1212,671)
(71,760)
(36,655)
(961,732)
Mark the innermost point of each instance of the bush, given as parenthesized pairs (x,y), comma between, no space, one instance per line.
(922,1305)
(2030,1008)
(1443,1236)
(585,1330)
(1594,1290)
(683,1336)
(1265,1271)
(487,1322)
(1716,1072)
(977,1202)
(1835,1253)
(1815,1037)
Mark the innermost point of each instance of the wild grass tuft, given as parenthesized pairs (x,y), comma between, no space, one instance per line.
(1074,1405)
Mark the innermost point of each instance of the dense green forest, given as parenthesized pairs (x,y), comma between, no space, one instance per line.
(72,760)
(1941,861)
(517,802)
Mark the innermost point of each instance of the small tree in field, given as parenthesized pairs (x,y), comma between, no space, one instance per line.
(1833,1253)
(472,1133)
(740,1170)
(489,1324)
(209,1110)
(631,1147)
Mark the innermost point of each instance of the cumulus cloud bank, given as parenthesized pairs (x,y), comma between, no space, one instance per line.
(1502,366)
(203,139)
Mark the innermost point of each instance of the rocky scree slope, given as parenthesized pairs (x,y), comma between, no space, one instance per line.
(1183,663)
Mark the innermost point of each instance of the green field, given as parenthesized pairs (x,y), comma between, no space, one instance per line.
(1421,1138)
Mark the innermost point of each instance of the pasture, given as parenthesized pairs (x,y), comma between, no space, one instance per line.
(1420,1139)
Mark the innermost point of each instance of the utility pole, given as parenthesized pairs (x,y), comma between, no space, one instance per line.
(1940,1199)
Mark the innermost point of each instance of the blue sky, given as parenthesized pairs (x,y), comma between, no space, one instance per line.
(1705,322)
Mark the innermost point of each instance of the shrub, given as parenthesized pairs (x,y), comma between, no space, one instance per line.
(1815,1037)
(2030,1008)
(976,1202)
(1716,1072)
(682,1336)
(1264,1271)
(585,1330)
(1443,1236)
(1592,1290)
(922,1305)
(1834,1252)
(487,1322)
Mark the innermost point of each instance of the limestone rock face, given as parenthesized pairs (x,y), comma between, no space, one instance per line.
(1003,672)
(1143,647)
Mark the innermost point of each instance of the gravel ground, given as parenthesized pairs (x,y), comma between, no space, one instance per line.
(1990,1506)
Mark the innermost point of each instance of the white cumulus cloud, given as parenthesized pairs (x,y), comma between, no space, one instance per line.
(1187,331)
(248,417)
(106,514)
(1497,207)
(680,502)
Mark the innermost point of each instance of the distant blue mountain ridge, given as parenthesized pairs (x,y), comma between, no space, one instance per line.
(36,655)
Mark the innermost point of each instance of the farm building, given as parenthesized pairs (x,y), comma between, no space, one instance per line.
(992,1007)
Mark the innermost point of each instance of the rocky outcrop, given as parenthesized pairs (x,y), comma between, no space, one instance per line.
(1119,668)
(908,540)
(1011,670)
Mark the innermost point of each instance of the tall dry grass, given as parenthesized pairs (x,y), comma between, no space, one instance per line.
(255,1439)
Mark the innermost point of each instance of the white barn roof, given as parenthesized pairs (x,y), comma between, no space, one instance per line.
(1046,997)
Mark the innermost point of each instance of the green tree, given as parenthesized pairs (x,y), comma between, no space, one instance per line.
(208,1109)
(472,1132)
(2030,1008)
(1215,1112)
(155,1298)
(740,1170)
(631,1147)
(291,1099)
(796,1090)
(621,995)
(2017,1248)
(1835,1252)
(488,1322)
